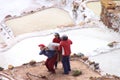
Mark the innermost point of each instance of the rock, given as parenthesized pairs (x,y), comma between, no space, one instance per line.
(112,44)
(43,77)
(76,73)
(96,66)
(32,62)
(77,55)
(8,16)
(84,58)
(80,54)
(91,62)
(110,14)
(10,67)
(1,68)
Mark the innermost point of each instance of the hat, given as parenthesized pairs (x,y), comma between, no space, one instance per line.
(64,37)
(41,45)
(56,34)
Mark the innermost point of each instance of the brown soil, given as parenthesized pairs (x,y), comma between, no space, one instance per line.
(38,71)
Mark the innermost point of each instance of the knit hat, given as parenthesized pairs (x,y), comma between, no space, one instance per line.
(41,45)
(56,34)
(64,37)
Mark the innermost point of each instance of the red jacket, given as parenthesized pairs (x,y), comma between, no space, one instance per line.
(65,46)
(56,40)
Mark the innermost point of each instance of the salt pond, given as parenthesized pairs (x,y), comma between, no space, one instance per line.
(41,20)
(95,7)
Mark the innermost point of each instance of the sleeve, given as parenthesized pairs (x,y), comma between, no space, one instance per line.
(42,52)
(70,42)
(53,40)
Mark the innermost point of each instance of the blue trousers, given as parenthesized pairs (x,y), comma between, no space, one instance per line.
(66,64)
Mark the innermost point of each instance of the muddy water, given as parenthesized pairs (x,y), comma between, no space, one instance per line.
(46,19)
(95,7)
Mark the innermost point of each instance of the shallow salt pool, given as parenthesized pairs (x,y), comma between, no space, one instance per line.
(46,19)
(95,7)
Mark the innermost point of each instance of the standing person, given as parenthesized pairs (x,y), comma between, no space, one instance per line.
(65,46)
(57,39)
(51,57)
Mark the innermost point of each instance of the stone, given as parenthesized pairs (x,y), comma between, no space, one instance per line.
(1,68)
(32,62)
(84,58)
(10,67)
(110,14)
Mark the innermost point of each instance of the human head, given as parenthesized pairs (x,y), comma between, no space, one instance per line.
(41,46)
(64,37)
(56,35)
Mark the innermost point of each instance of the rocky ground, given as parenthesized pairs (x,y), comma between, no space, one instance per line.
(37,71)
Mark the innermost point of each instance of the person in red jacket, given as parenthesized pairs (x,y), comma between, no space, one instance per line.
(65,46)
(57,39)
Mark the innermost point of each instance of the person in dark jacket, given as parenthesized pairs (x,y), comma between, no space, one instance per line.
(51,57)
(65,46)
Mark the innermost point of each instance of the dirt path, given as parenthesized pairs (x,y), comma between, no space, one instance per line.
(39,72)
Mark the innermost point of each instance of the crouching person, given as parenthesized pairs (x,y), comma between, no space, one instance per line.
(51,57)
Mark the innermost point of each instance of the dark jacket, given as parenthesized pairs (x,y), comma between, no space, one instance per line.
(48,53)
